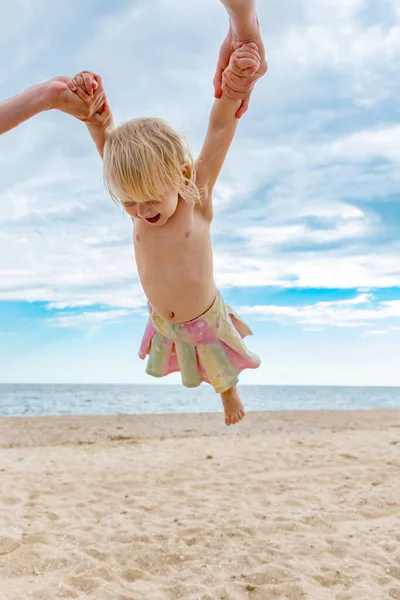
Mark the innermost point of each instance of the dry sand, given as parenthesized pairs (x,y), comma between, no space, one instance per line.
(294,505)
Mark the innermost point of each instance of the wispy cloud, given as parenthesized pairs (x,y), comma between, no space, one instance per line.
(373,332)
(87,319)
(360,311)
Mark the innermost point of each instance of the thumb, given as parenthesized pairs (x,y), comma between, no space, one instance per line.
(243,107)
(217,81)
(103,115)
(98,119)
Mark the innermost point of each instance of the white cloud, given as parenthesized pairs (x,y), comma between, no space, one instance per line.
(373,332)
(359,311)
(332,269)
(260,237)
(380,142)
(88,319)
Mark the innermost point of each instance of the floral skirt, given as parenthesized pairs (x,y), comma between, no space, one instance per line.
(209,348)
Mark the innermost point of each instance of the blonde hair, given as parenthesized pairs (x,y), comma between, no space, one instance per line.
(144,157)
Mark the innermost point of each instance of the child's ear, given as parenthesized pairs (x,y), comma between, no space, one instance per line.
(185,170)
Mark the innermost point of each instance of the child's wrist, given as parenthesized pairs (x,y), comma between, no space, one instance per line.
(96,124)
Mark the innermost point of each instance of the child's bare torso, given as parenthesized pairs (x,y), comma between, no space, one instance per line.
(175,263)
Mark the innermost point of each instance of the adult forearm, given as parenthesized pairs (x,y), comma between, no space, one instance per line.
(242,16)
(24,106)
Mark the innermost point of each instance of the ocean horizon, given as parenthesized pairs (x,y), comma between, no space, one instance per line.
(110,399)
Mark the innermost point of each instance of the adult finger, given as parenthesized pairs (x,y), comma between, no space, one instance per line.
(71,85)
(237,87)
(239,81)
(82,94)
(97,102)
(81,88)
(223,61)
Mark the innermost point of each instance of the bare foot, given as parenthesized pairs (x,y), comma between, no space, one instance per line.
(234,410)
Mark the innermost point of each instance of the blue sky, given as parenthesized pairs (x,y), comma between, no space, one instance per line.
(307,219)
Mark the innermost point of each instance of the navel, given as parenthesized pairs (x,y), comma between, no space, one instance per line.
(171,315)
(187,234)
(137,238)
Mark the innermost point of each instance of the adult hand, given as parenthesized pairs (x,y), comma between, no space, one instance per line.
(63,97)
(238,88)
(87,83)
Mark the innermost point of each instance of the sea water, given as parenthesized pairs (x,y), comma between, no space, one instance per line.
(48,399)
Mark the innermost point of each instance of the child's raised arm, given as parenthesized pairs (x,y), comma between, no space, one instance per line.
(85,82)
(223,123)
(98,132)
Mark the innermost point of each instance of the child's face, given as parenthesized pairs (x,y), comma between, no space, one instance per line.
(155,212)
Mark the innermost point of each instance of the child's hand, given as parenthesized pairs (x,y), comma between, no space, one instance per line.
(103,117)
(62,94)
(233,41)
(89,87)
(245,61)
(86,83)
(243,64)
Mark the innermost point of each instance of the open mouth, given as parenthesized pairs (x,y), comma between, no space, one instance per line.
(154,219)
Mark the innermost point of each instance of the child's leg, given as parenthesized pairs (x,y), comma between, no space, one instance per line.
(234,410)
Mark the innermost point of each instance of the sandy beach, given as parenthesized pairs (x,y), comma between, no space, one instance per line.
(289,505)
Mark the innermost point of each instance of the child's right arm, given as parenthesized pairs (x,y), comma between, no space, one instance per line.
(223,124)
(103,120)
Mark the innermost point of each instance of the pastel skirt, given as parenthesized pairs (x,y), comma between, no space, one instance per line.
(208,349)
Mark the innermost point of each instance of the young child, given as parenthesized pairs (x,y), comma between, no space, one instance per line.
(149,171)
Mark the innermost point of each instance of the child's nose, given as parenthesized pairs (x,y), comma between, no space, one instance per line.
(144,211)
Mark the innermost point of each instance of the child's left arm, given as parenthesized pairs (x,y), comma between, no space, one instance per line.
(87,83)
(223,122)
